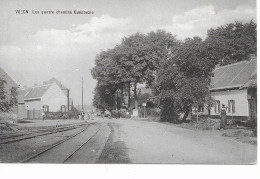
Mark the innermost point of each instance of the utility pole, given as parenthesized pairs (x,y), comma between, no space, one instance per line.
(82,93)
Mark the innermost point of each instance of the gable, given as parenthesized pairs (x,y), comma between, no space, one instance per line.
(60,85)
(53,92)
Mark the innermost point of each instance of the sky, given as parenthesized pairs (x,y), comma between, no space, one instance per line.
(37,47)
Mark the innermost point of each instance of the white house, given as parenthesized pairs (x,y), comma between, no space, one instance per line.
(32,102)
(234,86)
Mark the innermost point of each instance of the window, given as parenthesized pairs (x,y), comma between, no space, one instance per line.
(231,106)
(45,108)
(63,108)
(217,106)
(201,108)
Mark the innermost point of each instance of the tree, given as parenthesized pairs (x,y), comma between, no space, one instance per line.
(231,43)
(5,103)
(184,79)
(133,61)
(103,98)
(141,55)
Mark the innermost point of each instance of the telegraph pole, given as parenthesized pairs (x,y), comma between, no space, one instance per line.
(82,93)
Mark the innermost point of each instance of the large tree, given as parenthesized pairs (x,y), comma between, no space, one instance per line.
(184,79)
(231,43)
(133,61)
(5,102)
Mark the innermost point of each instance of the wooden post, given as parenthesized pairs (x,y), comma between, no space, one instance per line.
(82,93)
(129,95)
(197,114)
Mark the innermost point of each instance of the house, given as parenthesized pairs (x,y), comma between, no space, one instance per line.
(65,90)
(33,101)
(9,84)
(235,86)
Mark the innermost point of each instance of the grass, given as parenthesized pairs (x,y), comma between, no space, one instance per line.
(242,135)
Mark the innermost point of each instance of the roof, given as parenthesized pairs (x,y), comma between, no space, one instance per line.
(252,82)
(61,86)
(32,93)
(145,90)
(21,94)
(233,76)
(36,92)
(57,82)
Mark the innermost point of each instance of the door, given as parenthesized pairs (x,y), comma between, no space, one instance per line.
(252,109)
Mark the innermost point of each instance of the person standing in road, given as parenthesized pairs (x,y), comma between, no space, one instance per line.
(223,117)
(82,115)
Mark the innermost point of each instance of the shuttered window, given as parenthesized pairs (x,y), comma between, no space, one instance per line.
(63,108)
(217,106)
(231,106)
(45,108)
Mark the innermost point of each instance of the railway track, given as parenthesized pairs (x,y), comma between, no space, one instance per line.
(15,137)
(59,143)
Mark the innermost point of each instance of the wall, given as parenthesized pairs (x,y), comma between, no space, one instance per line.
(22,112)
(240,97)
(34,114)
(54,98)
(33,104)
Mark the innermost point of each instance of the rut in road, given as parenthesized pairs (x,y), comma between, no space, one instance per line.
(114,151)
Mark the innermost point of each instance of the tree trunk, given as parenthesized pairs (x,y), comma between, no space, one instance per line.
(135,96)
(185,115)
(197,114)
(116,99)
(122,96)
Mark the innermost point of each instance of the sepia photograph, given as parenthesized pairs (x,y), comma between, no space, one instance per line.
(128,82)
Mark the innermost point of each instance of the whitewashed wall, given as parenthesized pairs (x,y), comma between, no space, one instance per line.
(30,105)
(240,97)
(54,98)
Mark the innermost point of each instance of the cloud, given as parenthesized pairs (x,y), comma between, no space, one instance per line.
(197,21)
(64,54)
(69,54)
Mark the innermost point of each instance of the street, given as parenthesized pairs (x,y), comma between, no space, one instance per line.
(131,141)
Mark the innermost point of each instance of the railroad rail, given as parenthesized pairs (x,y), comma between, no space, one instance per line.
(59,143)
(10,138)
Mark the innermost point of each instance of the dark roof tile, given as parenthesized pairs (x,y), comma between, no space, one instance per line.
(233,75)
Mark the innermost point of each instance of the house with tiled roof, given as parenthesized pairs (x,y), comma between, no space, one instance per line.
(34,101)
(235,86)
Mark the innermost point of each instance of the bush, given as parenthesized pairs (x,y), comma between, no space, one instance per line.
(150,112)
(115,114)
(61,115)
(168,114)
(124,113)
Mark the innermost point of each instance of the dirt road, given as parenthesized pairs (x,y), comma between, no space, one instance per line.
(152,142)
